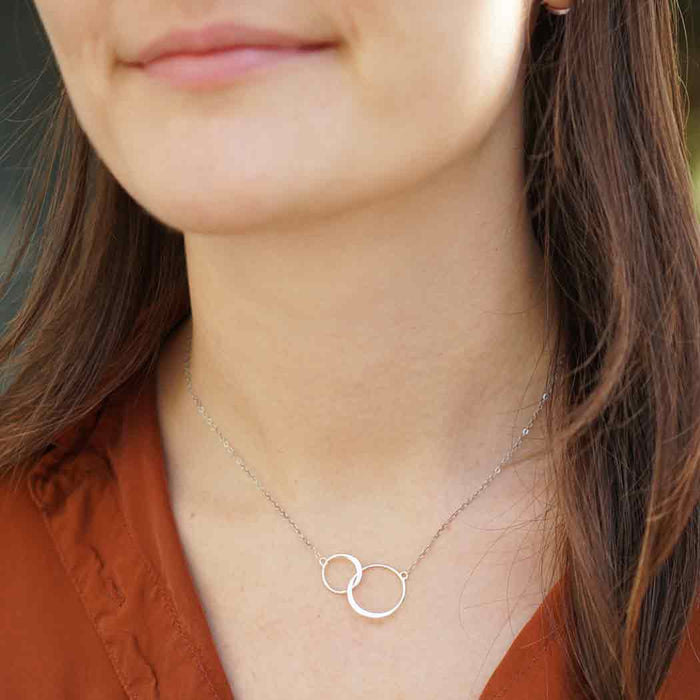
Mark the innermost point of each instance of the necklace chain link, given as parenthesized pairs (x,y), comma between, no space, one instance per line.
(323,560)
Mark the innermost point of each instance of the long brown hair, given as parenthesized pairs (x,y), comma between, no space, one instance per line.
(610,198)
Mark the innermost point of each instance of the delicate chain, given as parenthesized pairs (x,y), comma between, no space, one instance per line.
(239,460)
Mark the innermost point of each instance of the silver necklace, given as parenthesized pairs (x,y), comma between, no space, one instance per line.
(324,561)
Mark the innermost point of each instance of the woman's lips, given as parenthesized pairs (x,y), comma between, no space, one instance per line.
(220,66)
(220,53)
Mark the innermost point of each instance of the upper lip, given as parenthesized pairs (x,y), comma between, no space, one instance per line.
(219,36)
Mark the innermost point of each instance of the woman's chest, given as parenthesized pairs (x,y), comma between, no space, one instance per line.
(274,652)
(279,631)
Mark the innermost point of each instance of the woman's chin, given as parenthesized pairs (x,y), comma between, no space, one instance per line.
(191,208)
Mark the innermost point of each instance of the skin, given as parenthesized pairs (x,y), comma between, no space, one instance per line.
(368,315)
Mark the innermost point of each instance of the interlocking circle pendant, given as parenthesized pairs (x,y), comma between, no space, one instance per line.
(355,580)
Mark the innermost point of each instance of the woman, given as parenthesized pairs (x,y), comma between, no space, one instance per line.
(426,274)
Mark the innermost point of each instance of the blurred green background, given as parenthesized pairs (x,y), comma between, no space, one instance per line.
(692,66)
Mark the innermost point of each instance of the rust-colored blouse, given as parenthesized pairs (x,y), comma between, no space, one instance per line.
(97,600)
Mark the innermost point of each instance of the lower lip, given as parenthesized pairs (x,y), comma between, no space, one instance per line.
(220,67)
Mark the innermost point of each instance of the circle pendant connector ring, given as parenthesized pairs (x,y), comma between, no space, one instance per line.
(355,580)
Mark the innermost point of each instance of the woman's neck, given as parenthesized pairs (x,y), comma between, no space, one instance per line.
(405,340)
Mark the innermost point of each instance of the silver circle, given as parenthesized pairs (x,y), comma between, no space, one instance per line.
(369,613)
(357,575)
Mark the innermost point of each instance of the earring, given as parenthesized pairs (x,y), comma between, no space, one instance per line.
(554,10)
